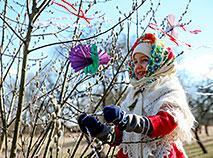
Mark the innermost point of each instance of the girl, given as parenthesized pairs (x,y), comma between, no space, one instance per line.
(154,120)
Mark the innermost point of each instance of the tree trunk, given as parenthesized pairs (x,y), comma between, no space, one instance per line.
(3,135)
(21,94)
(206,130)
(199,141)
(22,87)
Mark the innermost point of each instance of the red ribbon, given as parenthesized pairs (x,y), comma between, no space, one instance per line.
(81,16)
(185,29)
(156,27)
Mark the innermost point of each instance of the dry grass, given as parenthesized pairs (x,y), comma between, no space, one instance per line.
(193,150)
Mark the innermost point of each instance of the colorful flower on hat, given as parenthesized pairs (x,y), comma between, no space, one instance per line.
(149,69)
(156,67)
(153,49)
(170,53)
(157,58)
(159,49)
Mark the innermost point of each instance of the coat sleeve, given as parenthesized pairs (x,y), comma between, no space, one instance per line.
(157,125)
(163,123)
(117,137)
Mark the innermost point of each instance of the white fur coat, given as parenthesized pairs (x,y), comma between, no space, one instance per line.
(165,90)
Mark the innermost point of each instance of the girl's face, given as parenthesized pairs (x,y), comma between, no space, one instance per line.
(140,61)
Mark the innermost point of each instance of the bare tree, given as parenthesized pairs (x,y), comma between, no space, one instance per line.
(39,91)
(200,100)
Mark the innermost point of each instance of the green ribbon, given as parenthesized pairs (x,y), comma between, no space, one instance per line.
(93,68)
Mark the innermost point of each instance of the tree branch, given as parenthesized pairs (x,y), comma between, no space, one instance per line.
(40,9)
(28,11)
(69,41)
(12,29)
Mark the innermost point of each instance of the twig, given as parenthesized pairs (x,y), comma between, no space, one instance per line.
(74,107)
(184,13)
(12,63)
(108,151)
(12,29)
(113,151)
(49,140)
(22,57)
(70,41)
(152,17)
(42,139)
(34,128)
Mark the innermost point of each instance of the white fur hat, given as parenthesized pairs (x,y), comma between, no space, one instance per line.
(144,48)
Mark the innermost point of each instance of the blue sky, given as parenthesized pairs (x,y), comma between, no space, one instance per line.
(196,60)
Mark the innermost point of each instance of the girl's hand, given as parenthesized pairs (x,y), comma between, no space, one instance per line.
(92,124)
(113,114)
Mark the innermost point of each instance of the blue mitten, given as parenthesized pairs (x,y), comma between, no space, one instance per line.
(128,122)
(89,122)
(113,114)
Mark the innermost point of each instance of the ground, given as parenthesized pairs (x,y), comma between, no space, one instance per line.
(69,141)
(193,150)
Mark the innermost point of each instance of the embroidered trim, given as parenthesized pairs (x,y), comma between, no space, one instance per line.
(142,141)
